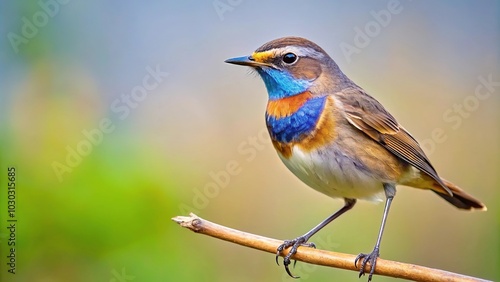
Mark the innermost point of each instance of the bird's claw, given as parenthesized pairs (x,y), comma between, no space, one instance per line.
(295,244)
(367,258)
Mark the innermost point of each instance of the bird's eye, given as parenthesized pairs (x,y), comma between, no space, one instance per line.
(290,58)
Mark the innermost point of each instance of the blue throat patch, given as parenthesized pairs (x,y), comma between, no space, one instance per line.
(293,128)
(281,84)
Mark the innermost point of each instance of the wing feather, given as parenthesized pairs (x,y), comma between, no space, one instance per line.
(368,115)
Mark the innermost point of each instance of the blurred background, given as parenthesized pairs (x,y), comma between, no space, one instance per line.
(120,115)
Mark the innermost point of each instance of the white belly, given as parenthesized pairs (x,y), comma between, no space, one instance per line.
(334,174)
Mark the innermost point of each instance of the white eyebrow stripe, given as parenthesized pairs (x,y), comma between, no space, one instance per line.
(299,51)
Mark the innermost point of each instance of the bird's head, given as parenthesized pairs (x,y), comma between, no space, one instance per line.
(292,65)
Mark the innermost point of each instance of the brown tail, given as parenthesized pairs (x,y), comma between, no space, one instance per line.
(460,198)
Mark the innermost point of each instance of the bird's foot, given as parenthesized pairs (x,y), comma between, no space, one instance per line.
(295,244)
(367,258)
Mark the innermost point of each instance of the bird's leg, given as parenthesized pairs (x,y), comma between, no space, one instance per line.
(390,192)
(302,240)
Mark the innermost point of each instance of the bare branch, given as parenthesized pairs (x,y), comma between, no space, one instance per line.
(319,257)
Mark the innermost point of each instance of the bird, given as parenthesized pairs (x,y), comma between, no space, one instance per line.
(338,139)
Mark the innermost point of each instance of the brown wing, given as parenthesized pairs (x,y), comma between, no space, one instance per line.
(369,116)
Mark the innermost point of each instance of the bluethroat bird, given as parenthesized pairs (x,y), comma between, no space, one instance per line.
(338,139)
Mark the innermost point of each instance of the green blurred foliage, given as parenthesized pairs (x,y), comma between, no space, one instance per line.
(109,214)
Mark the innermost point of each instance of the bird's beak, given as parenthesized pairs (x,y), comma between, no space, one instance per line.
(247,61)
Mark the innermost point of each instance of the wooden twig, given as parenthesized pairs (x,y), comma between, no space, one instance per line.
(319,257)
